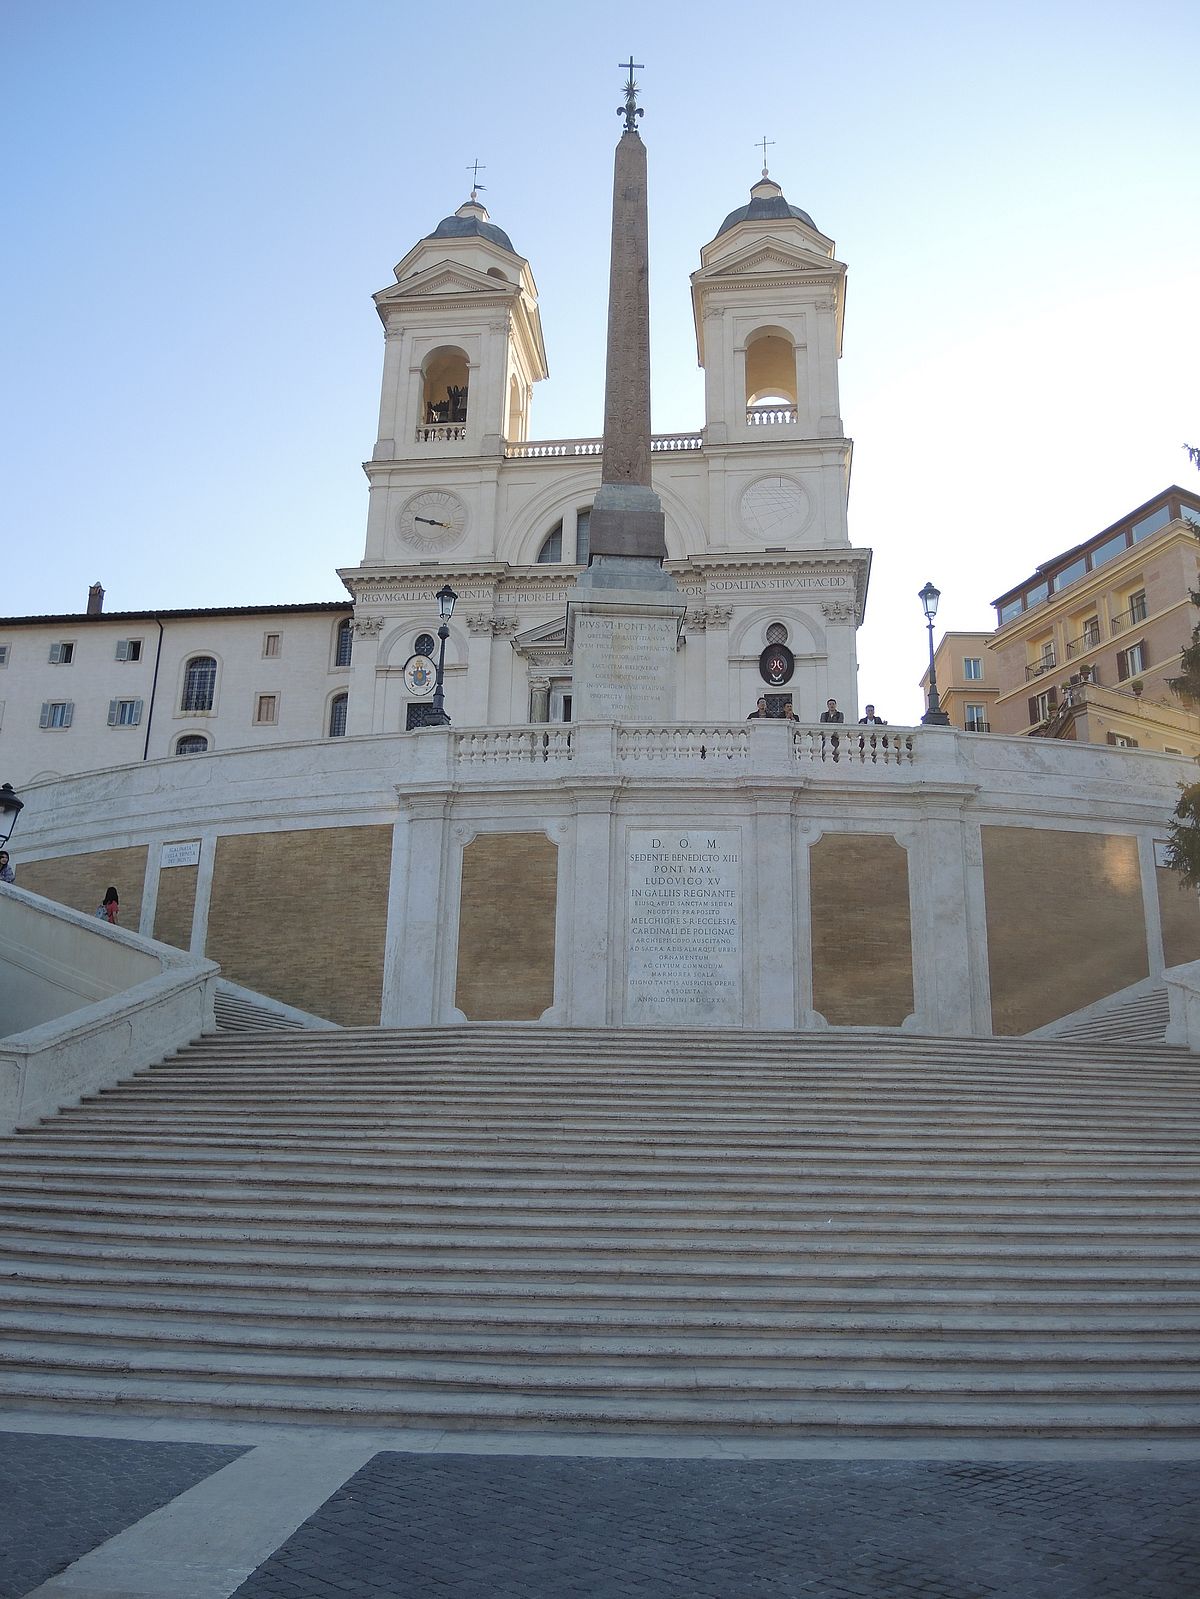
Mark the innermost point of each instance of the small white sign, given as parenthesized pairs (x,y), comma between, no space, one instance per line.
(1160,852)
(181,854)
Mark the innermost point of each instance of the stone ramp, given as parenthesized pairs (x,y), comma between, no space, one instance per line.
(1142,1019)
(799,1236)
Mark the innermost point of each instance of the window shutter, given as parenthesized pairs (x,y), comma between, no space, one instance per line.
(45,721)
(68,713)
(55,654)
(1033,709)
(1052,697)
(114,711)
(137,712)
(1122,666)
(122,649)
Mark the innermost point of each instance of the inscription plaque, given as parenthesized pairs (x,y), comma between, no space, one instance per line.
(684,927)
(624,667)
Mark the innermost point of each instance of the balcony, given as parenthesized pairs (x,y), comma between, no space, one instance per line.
(1130,618)
(1089,639)
(1045,663)
(766,416)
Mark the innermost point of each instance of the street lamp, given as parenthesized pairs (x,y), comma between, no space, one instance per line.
(934,716)
(10,808)
(445,599)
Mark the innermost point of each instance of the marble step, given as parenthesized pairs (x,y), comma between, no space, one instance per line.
(740,1351)
(896,1293)
(927,1416)
(749,1220)
(932,1323)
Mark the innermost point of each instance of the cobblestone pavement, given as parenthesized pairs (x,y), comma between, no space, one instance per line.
(60,1497)
(510,1527)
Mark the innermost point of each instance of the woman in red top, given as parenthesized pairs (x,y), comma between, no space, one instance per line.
(110,909)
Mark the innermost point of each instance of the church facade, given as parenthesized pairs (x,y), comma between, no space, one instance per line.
(756,527)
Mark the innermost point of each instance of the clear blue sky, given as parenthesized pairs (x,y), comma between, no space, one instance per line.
(201,198)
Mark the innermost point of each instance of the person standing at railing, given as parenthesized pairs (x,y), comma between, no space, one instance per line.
(831,712)
(760,710)
(871,720)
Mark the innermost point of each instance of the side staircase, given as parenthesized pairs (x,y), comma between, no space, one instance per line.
(840,1234)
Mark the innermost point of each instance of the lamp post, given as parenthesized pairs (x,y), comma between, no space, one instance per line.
(934,716)
(10,808)
(445,599)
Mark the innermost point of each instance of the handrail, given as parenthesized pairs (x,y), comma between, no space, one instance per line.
(539,449)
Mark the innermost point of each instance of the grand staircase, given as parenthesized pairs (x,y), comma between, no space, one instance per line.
(866,1235)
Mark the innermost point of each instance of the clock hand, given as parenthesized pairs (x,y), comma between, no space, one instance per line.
(429,521)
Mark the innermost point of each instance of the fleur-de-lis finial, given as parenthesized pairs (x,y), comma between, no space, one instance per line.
(631,110)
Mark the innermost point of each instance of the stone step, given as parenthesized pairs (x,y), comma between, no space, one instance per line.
(1026,1352)
(285,1172)
(759,1247)
(927,1416)
(749,1220)
(724,1378)
(288,1311)
(652,1291)
(919,1270)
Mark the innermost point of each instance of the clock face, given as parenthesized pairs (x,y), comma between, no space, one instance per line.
(774,509)
(432,521)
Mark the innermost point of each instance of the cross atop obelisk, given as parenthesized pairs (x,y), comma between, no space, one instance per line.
(627,517)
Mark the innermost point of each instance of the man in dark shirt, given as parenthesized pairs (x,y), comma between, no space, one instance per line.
(831,712)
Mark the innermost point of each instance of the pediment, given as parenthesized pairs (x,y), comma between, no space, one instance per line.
(766,256)
(545,636)
(443,277)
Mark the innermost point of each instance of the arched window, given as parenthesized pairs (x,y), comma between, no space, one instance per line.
(345,642)
(191,744)
(551,550)
(337,715)
(445,394)
(199,683)
(583,526)
(516,409)
(770,368)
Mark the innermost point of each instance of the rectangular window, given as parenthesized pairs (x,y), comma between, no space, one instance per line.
(973,668)
(1151,524)
(129,649)
(1006,612)
(4,649)
(1169,749)
(1036,595)
(1132,661)
(270,644)
(1123,741)
(1040,705)
(1070,574)
(1110,548)
(124,713)
(1091,633)
(62,654)
(1137,606)
(1190,514)
(266,708)
(57,713)
(975,718)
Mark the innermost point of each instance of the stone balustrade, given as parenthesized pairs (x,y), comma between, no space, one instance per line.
(763,416)
(541,449)
(767,747)
(441,432)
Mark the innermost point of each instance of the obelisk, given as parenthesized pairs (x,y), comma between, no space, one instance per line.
(624,616)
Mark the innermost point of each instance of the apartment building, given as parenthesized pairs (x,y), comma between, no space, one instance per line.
(965,671)
(1085,645)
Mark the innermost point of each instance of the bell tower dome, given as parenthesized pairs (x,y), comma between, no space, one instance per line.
(463,343)
(768,302)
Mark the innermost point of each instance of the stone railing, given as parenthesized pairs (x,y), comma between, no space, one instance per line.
(771,746)
(539,449)
(506,746)
(684,743)
(855,746)
(441,432)
(765,416)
